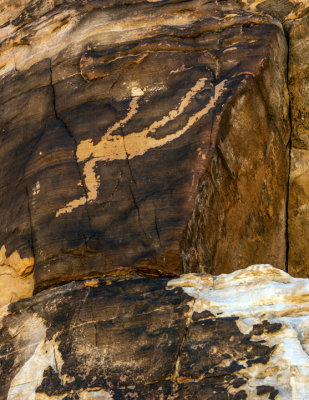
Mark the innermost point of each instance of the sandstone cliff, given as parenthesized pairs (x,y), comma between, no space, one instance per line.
(150,150)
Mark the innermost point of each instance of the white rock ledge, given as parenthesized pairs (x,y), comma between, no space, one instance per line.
(256,294)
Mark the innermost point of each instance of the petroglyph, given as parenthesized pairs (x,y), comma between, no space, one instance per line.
(118,147)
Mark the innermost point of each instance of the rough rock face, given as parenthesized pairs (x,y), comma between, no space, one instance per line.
(140,140)
(299,176)
(141,136)
(238,336)
(294,16)
(283,10)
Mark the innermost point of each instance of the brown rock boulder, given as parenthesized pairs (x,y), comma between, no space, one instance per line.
(142,137)
(295,19)
(239,336)
(299,176)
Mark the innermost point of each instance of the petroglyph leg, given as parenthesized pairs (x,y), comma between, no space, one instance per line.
(111,146)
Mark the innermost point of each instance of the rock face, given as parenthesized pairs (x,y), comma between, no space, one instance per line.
(141,137)
(299,177)
(238,336)
(16,277)
(294,16)
(141,140)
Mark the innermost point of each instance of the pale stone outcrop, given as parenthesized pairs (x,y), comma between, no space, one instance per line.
(262,296)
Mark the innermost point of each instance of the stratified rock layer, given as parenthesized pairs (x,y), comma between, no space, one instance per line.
(141,137)
(238,336)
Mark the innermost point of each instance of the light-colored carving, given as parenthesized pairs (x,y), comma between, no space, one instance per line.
(118,147)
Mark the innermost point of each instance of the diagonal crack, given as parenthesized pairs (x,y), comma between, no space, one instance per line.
(31,224)
(138,211)
(127,159)
(188,322)
(135,203)
(157,226)
(32,230)
(82,180)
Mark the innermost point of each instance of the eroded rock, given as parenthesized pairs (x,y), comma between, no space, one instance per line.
(142,137)
(16,277)
(272,307)
(238,336)
(294,16)
(283,10)
(299,176)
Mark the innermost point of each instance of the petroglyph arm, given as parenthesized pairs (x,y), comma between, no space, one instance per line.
(118,147)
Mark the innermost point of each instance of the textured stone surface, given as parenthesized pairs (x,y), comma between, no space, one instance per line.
(141,137)
(151,138)
(283,10)
(295,18)
(16,277)
(238,336)
(299,176)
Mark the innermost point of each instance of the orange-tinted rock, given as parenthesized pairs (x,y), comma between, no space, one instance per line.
(299,176)
(141,137)
(294,16)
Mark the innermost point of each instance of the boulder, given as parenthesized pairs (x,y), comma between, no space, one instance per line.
(141,137)
(294,16)
(243,335)
(298,30)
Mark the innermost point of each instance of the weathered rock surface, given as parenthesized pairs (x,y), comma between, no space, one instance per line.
(299,176)
(16,277)
(141,136)
(283,10)
(294,16)
(238,336)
